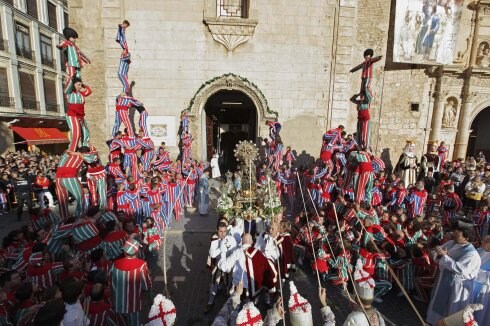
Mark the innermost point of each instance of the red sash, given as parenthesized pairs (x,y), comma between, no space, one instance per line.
(363,114)
(66,172)
(76,110)
(89,244)
(365,167)
(95,169)
(121,107)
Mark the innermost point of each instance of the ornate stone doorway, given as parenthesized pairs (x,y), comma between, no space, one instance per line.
(480,134)
(227,88)
(231,116)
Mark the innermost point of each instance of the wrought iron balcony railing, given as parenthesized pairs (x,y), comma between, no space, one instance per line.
(30,104)
(7,102)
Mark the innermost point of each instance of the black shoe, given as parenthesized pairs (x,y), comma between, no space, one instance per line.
(208,307)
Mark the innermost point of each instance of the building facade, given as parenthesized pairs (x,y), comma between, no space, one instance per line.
(31,73)
(233,64)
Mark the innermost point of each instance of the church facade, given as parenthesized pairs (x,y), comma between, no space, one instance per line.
(233,64)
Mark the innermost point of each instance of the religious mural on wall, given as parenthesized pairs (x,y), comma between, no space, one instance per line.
(426,31)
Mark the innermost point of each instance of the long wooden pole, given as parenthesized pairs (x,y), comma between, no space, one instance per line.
(309,230)
(272,220)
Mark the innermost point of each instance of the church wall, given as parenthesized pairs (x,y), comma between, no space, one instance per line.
(395,87)
(173,54)
(299,57)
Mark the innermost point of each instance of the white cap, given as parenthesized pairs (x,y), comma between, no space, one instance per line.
(299,308)
(364,283)
(249,316)
(162,312)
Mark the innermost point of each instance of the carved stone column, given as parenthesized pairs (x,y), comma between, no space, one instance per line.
(461,144)
(438,97)
(438,112)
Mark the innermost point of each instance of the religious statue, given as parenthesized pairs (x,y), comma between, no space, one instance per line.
(449,118)
(246,153)
(406,168)
(430,161)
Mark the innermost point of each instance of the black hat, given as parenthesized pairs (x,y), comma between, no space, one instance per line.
(69,32)
(369,52)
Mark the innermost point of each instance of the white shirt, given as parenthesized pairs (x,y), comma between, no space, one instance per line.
(236,262)
(74,315)
(265,243)
(219,247)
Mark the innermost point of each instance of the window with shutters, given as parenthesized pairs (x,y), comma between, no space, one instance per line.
(46,51)
(28,91)
(65,15)
(5,99)
(50,95)
(23,41)
(52,21)
(4,45)
(32,8)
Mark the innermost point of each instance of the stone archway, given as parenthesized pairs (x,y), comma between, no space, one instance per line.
(225,82)
(479,138)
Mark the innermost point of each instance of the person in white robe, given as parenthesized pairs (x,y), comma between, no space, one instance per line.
(459,264)
(481,288)
(215,172)
(204,193)
(406,168)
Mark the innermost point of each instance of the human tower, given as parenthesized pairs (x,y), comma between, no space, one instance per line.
(138,181)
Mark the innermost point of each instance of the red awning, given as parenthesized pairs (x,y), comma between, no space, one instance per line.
(41,136)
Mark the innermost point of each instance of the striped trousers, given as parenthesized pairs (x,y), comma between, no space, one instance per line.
(143,123)
(72,72)
(189,193)
(122,74)
(64,187)
(78,127)
(131,161)
(422,284)
(132,319)
(363,185)
(448,216)
(146,158)
(363,132)
(122,116)
(366,88)
(186,151)
(157,216)
(381,288)
(98,185)
(145,208)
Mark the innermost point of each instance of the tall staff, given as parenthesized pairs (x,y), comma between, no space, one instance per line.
(279,259)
